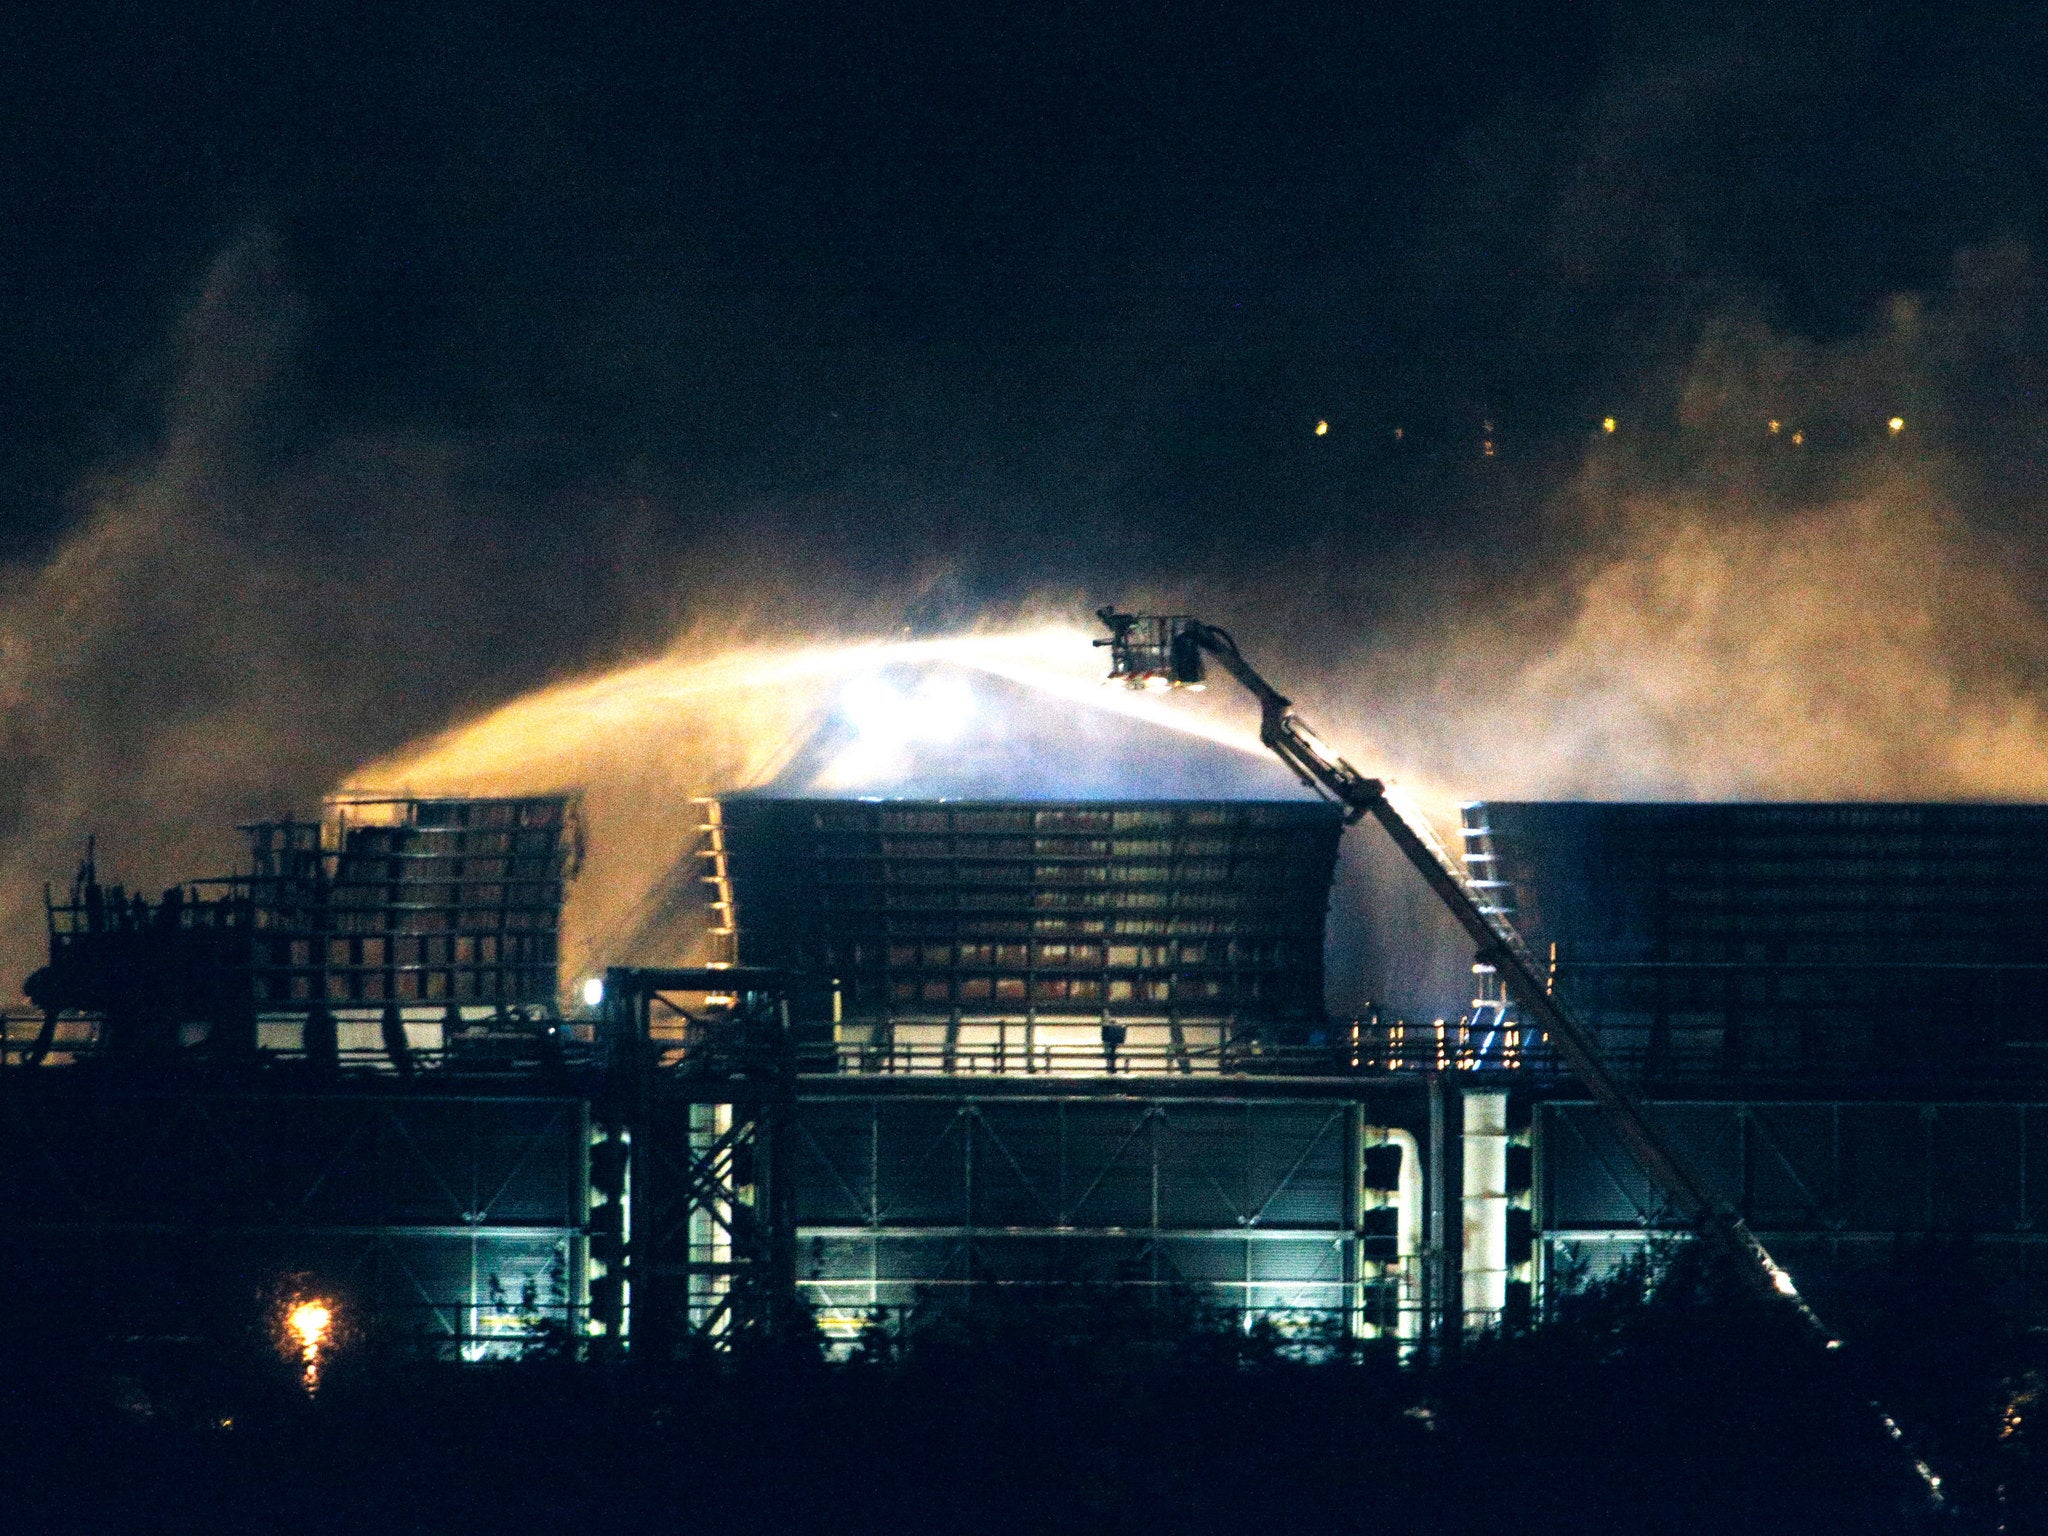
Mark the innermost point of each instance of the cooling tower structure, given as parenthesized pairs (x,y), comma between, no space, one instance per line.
(1037,935)
(1007,1000)
(1056,1045)
(414,902)
(1834,1010)
(993,1004)
(1058,1003)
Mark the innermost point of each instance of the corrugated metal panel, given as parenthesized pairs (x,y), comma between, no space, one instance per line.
(1820,944)
(942,910)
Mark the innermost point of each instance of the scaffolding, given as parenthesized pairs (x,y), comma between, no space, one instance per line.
(454,902)
(692,1242)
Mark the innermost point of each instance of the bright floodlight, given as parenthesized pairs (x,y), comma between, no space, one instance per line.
(310,1320)
(938,709)
(593,991)
(307,1327)
(889,719)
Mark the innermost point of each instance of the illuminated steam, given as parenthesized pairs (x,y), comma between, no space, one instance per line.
(1774,594)
(640,743)
(1872,648)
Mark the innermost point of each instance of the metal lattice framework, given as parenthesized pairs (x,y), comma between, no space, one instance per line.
(1826,945)
(1837,1185)
(1252,1206)
(1169,913)
(411,902)
(439,1222)
(692,1229)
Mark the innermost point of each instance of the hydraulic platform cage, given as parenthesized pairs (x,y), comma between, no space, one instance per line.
(953,925)
(412,902)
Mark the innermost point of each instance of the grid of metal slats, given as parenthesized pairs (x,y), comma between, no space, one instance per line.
(431,902)
(1836,943)
(1209,909)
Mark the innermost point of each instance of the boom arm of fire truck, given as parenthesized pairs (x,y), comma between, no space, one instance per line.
(1154,651)
(1161,652)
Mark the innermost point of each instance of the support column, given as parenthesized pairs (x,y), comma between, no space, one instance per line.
(1442,1307)
(1485,1185)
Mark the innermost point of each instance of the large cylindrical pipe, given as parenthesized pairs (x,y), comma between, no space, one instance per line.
(1485,1249)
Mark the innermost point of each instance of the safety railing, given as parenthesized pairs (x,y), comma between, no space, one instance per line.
(539,1047)
(526,1050)
(1359,1047)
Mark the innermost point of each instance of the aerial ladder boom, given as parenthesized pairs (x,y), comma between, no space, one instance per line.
(1154,651)
(1148,651)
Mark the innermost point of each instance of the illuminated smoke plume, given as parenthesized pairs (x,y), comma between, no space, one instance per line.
(233,620)
(134,661)
(1770,593)
(926,718)
(1780,595)
(234,627)
(1869,648)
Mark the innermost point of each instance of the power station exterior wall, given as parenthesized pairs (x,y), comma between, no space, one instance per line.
(1833,1186)
(1195,910)
(1826,1003)
(451,1224)
(1248,1209)
(1836,947)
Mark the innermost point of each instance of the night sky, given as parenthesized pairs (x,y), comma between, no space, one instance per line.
(1012,265)
(360,371)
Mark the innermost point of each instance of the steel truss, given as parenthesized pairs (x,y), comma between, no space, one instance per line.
(1256,1206)
(443,1222)
(1839,1184)
(691,1238)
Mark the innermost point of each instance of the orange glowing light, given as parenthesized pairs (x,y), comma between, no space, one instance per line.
(1322,429)
(1774,426)
(719,716)
(1896,425)
(308,1325)
(1798,439)
(311,1321)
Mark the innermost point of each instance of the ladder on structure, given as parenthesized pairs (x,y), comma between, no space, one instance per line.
(1494,1029)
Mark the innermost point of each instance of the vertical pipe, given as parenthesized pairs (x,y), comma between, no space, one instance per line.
(1928,1115)
(2024,1222)
(578,1299)
(874,1202)
(1745,1138)
(1351,1269)
(1539,1209)
(1155,1115)
(1407,1233)
(1484,1282)
(1433,1274)
(967,1253)
(1245,1175)
(1410,1279)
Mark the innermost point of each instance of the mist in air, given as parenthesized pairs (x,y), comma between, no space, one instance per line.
(557,446)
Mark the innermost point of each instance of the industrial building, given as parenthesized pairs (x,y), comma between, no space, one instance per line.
(1045,1019)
